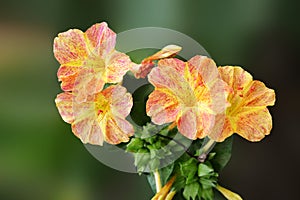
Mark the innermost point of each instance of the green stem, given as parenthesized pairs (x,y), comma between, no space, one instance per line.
(205,149)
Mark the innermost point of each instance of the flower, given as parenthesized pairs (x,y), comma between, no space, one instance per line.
(101,117)
(248,115)
(143,69)
(88,60)
(189,94)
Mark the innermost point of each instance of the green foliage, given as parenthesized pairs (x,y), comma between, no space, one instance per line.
(222,152)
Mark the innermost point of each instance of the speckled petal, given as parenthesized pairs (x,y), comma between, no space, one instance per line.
(253,124)
(70,47)
(222,128)
(187,123)
(169,80)
(102,39)
(257,94)
(116,67)
(64,103)
(175,63)
(121,100)
(236,77)
(162,107)
(118,130)
(87,83)
(67,75)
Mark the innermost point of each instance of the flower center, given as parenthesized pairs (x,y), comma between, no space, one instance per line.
(94,62)
(101,106)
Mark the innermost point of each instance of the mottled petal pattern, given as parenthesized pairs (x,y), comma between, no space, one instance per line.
(64,103)
(247,115)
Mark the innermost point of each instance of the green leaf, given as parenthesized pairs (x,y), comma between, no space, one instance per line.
(191,191)
(207,183)
(223,154)
(207,194)
(134,145)
(165,174)
(138,111)
(204,170)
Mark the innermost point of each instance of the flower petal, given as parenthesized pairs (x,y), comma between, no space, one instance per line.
(102,39)
(117,130)
(236,77)
(70,47)
(120,100)
(175,63)
(64,103)
(257,94)
(162,107)
(187,123)
(168,79)
(165,52)
(116,67)
(222,128)
(253,124)
(67,75)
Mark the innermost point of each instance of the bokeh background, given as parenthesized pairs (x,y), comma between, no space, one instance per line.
(41,159)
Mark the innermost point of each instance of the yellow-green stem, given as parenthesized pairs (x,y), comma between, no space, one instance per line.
(170,195)
(208,146)
(157,181)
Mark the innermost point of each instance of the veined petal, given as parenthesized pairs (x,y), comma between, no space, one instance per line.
(175,63)
(64,103)
(236,77)
(67,75)
(102,39)
(168,79)
(70,47)
(88,82)
(162,107)
(117,130)
(257,94)
(187,123)
(121,101)
(253,123)
(222,128)
(116,66)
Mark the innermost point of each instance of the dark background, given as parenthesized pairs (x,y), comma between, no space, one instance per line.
(40,157)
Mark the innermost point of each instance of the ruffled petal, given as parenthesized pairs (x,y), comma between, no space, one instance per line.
(253,124)
(236,77)
(117,130)
(70,47)
(162,107)
(67,75)
(257,94)
(222,128)
(116,67)
(120,100)
(64,104)
(102,39)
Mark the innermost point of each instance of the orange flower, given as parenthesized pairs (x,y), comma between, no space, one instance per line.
(101,117)
(248,115)
(88,60)
(189,94)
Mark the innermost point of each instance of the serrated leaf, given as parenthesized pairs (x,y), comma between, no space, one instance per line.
(191,191)
(223,154)
(204,170)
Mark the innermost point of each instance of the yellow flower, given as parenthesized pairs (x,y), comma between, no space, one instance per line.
(189,94)
(101,117)
(88,60)
(248,115)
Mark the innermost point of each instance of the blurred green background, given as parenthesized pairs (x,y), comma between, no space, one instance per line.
(40,157)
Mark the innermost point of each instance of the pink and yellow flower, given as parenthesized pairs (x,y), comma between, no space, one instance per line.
(142,70)
(248,115)
(88,60)
(189,94)
(101,117)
